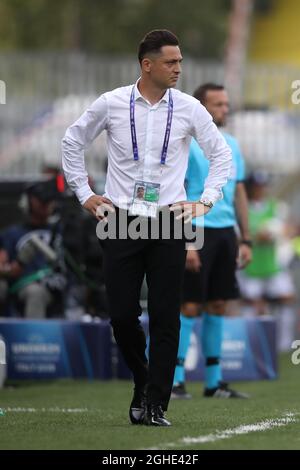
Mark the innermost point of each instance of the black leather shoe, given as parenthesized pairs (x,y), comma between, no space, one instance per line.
(179,392)
(154,416)
(138,406)
(223,391)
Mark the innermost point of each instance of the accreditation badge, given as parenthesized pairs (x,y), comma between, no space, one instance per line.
(145,199)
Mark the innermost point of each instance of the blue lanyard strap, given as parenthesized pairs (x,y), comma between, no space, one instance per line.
(167,133)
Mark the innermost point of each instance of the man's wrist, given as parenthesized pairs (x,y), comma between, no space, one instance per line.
(84,193)
(206,202)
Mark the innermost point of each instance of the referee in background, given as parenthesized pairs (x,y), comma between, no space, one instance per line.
(210,277)
(149,128)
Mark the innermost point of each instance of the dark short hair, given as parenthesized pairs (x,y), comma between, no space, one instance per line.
(258,178)
(155,40)
(44,191)
(201,92)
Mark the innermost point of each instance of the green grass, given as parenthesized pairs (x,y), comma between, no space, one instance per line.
(105,424)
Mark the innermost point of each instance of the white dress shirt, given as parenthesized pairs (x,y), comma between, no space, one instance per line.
(111,111)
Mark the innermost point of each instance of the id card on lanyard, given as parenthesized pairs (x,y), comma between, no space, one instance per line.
(145,197)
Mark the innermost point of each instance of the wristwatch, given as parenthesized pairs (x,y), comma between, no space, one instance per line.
(206,203)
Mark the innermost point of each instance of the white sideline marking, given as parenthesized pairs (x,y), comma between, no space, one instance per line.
(262,426)
(45,410)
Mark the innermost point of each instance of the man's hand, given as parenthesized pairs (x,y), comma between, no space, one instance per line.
(193,261)
(99,206)
(245,255)
(189,210)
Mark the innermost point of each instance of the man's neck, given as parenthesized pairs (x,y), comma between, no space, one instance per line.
(149,91)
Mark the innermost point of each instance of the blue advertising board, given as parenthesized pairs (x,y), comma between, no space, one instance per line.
(248,350)
(47,349)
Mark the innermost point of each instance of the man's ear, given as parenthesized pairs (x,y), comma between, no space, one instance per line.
(146,64)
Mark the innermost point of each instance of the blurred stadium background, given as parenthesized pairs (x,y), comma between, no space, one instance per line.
(55,59)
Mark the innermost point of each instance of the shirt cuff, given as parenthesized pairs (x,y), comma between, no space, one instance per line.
(212,195)
(84,193)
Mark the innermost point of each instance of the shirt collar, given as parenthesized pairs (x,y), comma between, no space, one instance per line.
(138,95)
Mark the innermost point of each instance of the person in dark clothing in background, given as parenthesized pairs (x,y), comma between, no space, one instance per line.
(34,267)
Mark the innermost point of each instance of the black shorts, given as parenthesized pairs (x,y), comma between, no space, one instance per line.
(216,279)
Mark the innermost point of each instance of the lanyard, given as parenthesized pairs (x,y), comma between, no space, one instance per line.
(167,133)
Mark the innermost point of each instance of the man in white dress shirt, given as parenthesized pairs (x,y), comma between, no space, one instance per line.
(149,128)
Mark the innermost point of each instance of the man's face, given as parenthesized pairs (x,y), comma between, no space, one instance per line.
(40,208)
(217,104)
(140,193)
(164,68)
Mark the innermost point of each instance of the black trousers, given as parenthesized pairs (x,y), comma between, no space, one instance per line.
(216,279)
(126,262)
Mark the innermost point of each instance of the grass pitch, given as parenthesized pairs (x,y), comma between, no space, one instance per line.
(94,415)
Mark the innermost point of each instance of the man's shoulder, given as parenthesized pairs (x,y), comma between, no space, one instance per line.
(184,97)
(13,230)
(13,233)
(122,91)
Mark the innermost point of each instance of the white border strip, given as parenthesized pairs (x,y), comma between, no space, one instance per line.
(45,410)
(262,426)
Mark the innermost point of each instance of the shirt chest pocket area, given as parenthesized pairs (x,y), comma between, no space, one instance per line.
(120,135)
(178,134)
